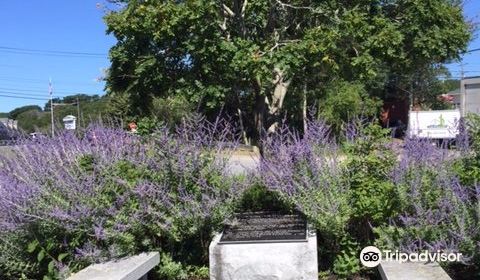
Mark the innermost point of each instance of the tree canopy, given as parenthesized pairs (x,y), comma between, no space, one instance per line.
(259,58)
(17,111)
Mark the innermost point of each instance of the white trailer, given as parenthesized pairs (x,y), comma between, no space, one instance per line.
(438,124)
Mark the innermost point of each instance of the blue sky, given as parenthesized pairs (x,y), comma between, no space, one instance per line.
(53,25)
(471,61)
(77,26)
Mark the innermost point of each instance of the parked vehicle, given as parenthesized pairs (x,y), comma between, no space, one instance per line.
(438,124)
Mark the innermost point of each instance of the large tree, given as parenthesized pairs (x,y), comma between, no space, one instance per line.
(257,54)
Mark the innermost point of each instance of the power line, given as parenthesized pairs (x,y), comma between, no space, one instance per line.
(473,50)
(26,90)
(50,52)
(22,97)
(28,95)
(39,81)
(41,92)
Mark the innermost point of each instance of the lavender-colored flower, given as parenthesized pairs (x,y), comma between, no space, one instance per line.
(104,183)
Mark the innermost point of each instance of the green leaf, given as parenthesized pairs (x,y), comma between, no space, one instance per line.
(62,256)
(41,255)
(51,266)
(32,246)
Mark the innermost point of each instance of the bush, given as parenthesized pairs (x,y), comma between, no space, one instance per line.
(437,211)
(365,192)
(345,101)
(369,163)
(306,173)
(73,200)
(105,193)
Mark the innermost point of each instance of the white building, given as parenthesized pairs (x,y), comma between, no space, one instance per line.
(470,95)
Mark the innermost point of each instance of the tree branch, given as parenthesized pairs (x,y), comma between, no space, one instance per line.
(285,5)
(244,7)
(228,10)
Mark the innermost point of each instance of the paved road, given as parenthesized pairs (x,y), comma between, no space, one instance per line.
(4,150)
(240,163)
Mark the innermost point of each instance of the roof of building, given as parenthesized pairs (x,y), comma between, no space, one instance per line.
(471,77)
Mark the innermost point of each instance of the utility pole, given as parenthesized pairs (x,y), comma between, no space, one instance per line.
(462,71)
(463,92)
(50,90)
(78,111)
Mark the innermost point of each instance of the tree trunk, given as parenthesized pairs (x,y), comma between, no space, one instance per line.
(279,92)
(242,127)
(272,115)
(259,119)
(304,108)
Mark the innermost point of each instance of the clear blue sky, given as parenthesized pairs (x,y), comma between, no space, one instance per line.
(53,25)
(471,61)
(77,26)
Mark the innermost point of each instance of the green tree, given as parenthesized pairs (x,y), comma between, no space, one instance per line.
(345,101)
(72,99)
(425,85)
(254,55)
(32,118)
(17,111)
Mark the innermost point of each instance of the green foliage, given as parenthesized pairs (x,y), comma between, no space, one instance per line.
(86,162)
(14,261)
(171,270)
(168,269)
(346,101)
(472,122)
(346,262)
(72,99)
(370,199)
(171,110)
(44,257)
(220,54)
(369,166)
(17,111)
(468,166)
(426,87)
(259,198)
(33,119)
(146,126)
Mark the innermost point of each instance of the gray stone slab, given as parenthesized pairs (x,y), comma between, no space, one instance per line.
(131,268)
(264,261)
(242,163)
(393,270)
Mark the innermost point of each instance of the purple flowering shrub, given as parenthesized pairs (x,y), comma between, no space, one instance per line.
(307,173)
(72,200)
(76,199)
(367,190)
(438,211)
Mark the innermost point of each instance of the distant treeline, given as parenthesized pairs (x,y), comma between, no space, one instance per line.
(33,118)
